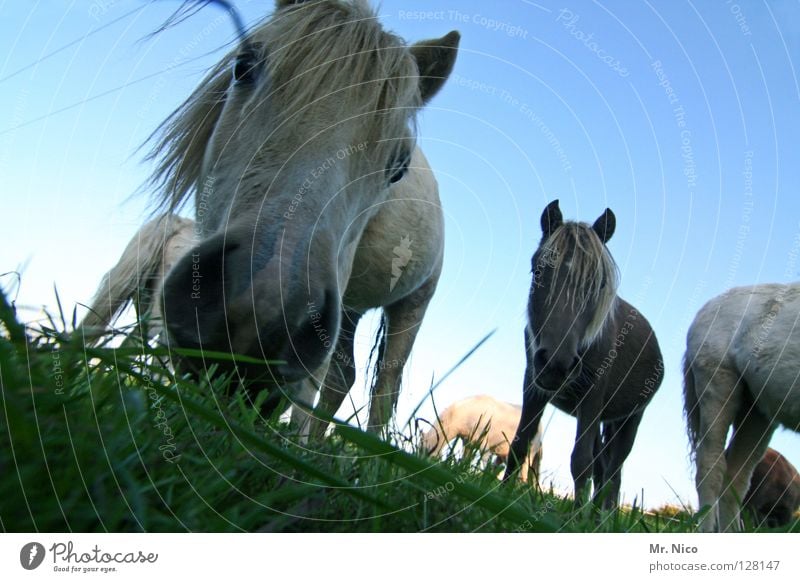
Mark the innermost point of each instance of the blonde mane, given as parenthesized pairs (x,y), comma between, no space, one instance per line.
(592,273)
(310,50)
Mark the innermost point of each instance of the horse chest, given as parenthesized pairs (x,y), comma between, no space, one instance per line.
(401,247)
(572,398)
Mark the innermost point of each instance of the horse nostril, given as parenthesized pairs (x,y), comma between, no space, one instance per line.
(540,359)
(575,363)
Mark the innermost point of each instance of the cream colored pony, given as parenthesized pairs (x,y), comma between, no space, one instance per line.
(486,422)
(312,202)
(741,370)
(138,277)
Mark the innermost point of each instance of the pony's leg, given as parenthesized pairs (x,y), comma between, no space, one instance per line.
(300,417)
(751,436)
(583,454)
(403,319)
(598,468)
(533,403)
(618,445)
(340,377)
(718,399)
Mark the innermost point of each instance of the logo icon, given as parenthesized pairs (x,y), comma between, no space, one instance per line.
(31,555)
(402,255)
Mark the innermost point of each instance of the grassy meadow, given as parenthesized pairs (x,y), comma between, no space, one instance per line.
(109,440)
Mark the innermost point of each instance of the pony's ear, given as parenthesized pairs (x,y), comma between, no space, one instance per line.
(435,60)
(605,225)
(284,3)
(551,219)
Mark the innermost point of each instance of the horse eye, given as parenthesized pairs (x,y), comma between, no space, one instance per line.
(398,172)
(245,69)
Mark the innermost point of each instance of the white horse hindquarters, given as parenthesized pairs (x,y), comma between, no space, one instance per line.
(740,370)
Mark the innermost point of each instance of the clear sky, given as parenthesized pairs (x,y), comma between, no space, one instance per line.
(682,117)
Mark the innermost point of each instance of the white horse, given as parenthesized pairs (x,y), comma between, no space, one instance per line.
(486,422)
(312,202)
(138,277)
(741,370)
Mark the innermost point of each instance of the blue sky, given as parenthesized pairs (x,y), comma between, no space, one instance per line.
(681,117)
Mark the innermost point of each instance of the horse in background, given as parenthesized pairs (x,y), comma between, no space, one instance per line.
(137,279)
(740,370)
(489,424)
(299,151)
(589,353)
(774,493)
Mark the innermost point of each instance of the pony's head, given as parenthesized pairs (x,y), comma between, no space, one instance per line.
(572,295)
(289,145)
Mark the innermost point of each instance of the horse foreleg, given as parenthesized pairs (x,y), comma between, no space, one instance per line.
(533,463)
(617,446)
(340,377)
(583,454)
(751,436)
(718,399)
(533,403)
(599,465)
(403,319)
(301,404)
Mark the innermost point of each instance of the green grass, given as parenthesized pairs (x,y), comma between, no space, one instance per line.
(96,440)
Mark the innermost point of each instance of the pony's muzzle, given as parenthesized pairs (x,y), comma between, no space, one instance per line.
(555,370)
(223,297)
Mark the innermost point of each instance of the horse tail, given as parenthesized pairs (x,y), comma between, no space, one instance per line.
(129,280)
(376,353)
(691,404)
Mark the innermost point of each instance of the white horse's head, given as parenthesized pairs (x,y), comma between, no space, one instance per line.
(289,145)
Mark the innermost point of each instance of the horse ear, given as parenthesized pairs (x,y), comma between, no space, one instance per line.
(435,60)
(551,218)
(284,3)
(605,225)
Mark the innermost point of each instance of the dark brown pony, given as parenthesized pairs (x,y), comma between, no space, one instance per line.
(774,493)
(589,353)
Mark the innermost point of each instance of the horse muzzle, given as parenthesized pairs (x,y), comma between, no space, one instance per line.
(553,373)
(221,297)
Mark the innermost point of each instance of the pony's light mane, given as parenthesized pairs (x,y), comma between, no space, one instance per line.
(311,50)
(592,273)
